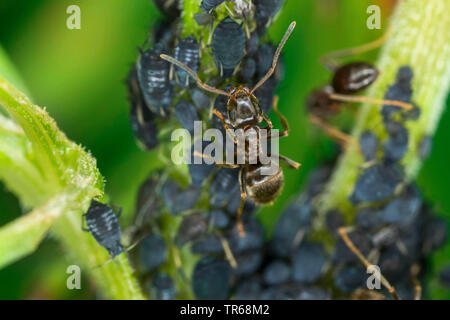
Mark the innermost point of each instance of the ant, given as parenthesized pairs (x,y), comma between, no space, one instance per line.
(348,79)
(244,112)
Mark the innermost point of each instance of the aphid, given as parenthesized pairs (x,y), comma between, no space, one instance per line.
(228,44)
(153,76)
(211,279)
(397,144)
(401,90)
(243,112)
(178,200)
(162,287)
(308,263)
(248,289)
(199,171)
(248,263)
(141,117)
(224,183)
(192,228)
(291,227)
(277,272)
(252,44)
(164,34)
(252,240)
(265,11)
(350,278)
(168,7)
(368,143)
(152,252)
(210,244)
(377,183)
(209,5)
(248,69)
(200,99)
(348,79)
(218,218)
(344,255)
(186,114)
(102,223)
(188,52)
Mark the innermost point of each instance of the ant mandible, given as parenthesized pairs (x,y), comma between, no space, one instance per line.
(243,112)
(348,79)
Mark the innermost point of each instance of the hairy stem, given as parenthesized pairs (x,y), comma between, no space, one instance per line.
(420,40)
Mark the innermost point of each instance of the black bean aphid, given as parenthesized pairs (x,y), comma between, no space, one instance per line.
(401,90)
(102,223)
(277,272)
(188,52)
(153,75)
(211,279)
(350,278)
(162,287)
(248,70)
(141,117)
(309,262)
(397,143)
(377,183)
(248,263)
(152,252)
(178,200)
(369,145)
(265,11)
(228,44)
(209,5)
(186,114)
(192,228)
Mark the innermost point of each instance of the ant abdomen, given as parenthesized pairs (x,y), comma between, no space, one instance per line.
(353,77)
(262,188)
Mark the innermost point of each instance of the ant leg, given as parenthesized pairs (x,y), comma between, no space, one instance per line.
(328,60)
(240,225)
(225,165)
(347,98)
(228,253)
(415,270)
(293,164)
(226,123)
(337,135)
(194,75)
(275,57)
(283,120)
(343,232)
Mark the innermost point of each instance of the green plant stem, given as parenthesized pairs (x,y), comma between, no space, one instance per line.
(420,39)
(61,179)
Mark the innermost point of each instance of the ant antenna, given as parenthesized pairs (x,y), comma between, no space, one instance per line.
(194,75)
(275,57)
(346,98)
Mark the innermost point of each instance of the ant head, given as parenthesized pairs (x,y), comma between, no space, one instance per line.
(243,107)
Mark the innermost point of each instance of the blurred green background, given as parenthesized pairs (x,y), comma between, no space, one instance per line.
(78,75)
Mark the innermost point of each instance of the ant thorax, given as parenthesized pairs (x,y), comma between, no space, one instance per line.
(243,108)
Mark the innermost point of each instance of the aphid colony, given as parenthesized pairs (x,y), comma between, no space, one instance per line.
(393,227)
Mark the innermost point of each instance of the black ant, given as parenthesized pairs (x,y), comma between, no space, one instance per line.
(348,79)
(243,112)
